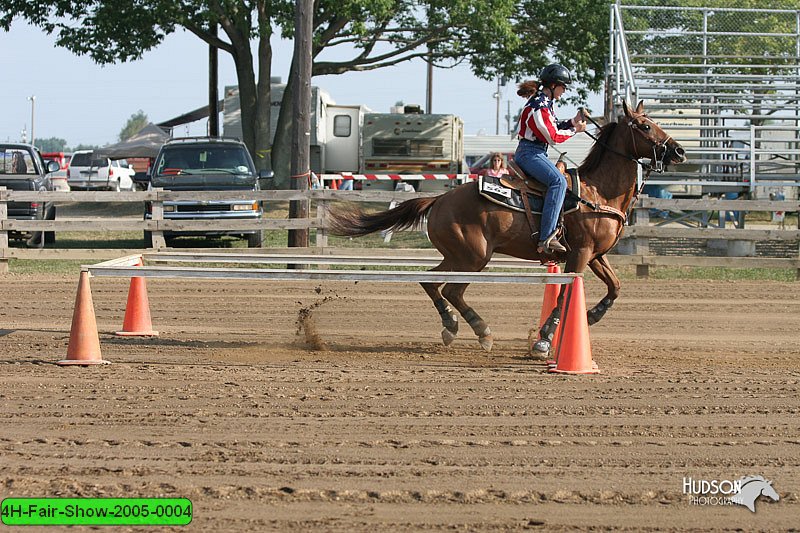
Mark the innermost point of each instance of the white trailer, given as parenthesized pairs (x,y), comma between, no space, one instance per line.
(353,140)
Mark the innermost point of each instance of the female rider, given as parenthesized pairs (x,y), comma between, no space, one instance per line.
(539,128)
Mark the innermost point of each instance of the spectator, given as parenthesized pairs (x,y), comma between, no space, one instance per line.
(497,166)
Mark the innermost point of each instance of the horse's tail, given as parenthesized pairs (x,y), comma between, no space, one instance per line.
(356,223)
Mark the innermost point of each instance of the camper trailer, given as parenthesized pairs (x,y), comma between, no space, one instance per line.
(352,139)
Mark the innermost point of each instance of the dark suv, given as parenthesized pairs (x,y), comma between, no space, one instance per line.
(207,164)
(23,169)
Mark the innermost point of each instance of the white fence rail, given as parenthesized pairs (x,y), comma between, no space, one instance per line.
(635,244)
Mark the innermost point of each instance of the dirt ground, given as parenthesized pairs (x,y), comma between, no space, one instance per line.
(367,423)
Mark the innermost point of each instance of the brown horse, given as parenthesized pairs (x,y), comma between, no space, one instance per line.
(468,229)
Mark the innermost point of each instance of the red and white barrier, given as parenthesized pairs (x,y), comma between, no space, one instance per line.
(396,177)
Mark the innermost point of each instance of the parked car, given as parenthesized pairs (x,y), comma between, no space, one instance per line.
(207,164)
(23,169)
(87,172)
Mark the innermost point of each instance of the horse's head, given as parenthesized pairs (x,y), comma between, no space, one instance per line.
(768,491)
(648,139)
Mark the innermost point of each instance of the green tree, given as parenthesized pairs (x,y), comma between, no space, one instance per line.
(134,125)
(52,144)
(514,38)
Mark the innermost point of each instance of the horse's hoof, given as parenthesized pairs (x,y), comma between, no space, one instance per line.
(541,347)
(486,342)
(448,337)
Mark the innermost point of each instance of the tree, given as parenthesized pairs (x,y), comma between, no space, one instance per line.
(134,125)
(52,144)
(513,38)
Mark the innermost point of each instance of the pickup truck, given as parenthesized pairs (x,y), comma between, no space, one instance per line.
(207,164)
(89,172)
(23,169)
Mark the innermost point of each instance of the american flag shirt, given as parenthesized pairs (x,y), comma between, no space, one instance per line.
(538,122)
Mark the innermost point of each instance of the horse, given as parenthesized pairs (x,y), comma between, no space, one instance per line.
(751,488)
(467,229)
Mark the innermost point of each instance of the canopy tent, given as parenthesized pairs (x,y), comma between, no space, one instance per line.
(146,143)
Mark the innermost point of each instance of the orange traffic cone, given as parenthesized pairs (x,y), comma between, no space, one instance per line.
(137,312)
(84,343)
(574,352)
(550,299)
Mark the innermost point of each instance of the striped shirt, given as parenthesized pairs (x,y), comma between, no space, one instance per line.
(538,122)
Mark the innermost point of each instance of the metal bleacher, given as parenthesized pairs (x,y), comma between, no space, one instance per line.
(725,82)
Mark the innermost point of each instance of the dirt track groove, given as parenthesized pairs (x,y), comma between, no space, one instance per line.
(388,430)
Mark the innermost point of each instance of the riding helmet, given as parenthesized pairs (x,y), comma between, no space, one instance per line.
(555,74)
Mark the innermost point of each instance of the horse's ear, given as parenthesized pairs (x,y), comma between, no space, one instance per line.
(625,108)
(640,107)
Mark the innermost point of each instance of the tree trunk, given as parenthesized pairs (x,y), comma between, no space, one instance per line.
(282,143)
(262,121)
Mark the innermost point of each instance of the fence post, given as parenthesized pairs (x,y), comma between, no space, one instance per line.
(642,245)
(3,232)
(158,217)
(321,239)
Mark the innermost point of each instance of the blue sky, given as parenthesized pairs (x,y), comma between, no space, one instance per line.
(85,103)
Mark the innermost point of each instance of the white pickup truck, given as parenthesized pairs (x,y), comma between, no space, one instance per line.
(87,172)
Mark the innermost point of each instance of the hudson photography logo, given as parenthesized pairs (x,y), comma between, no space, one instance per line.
(744,491)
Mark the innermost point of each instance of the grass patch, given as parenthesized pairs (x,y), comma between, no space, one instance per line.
(710,273)
(46,266)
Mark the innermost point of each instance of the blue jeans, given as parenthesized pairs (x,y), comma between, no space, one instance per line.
(532,159)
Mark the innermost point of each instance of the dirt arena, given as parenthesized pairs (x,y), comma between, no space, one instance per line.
(367,423)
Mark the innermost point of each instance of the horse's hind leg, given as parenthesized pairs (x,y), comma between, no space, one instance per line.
(454,292)
(603,270)
(449,317)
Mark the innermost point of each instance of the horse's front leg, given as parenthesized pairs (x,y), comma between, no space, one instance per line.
(576,262)
(603,270)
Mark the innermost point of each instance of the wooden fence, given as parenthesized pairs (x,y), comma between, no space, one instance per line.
(635,247)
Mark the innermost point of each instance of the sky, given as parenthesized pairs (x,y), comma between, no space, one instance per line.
(85,103)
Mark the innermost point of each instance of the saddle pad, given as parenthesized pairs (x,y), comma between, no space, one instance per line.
(490,188)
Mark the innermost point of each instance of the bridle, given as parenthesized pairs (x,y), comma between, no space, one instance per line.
(655,165)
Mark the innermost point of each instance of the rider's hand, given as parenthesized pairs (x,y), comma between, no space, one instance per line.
(579,121)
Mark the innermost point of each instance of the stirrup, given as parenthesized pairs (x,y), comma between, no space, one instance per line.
(551,245)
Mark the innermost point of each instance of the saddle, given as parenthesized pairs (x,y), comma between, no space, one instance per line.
(526,194)
(522,193)
(520,181)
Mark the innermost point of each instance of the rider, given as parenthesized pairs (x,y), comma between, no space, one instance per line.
(539,128)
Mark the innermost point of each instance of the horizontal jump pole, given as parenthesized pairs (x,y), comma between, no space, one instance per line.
(317,259)
(383,276)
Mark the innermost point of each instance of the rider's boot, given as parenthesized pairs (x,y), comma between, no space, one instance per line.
(551,245)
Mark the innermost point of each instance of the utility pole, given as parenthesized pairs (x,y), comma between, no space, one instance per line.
(32,100)
(301,111)
(213,85)
(429,84)
(497,117)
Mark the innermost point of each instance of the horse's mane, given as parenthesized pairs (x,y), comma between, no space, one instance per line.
(745,480)
(595,156)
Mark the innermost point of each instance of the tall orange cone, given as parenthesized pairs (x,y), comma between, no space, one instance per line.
(137,312)
(574,352)
(84,342)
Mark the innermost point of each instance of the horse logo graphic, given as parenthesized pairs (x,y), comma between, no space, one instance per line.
(752,488)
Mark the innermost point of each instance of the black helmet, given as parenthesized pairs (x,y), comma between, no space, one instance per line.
(555,73)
